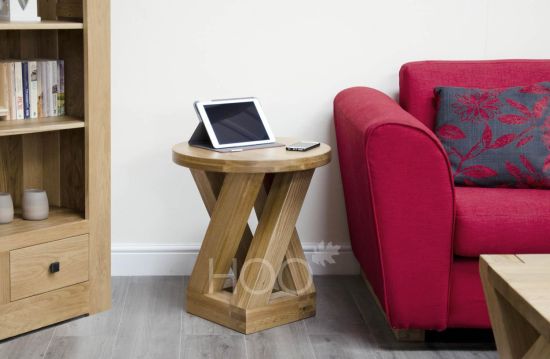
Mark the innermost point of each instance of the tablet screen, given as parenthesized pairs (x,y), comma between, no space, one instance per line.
(236,122)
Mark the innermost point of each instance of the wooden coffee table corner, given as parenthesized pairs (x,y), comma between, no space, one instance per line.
(517,290)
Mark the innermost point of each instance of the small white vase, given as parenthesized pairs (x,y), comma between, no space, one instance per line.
(6,208)
(35,205)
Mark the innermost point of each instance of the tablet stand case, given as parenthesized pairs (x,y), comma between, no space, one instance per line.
(200,138)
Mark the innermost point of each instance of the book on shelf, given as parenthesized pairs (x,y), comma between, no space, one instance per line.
(61,88)
(4,96)
(18,85)
(32,89)
(26,92)
(39,91)
(53,76)
(11,91)
(46,94)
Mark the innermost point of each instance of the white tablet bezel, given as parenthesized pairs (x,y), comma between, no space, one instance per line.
(199,106)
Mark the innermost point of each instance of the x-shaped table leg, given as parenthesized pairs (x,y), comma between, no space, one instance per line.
(274,251)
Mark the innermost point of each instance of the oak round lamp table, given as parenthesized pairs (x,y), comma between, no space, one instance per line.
(272,284)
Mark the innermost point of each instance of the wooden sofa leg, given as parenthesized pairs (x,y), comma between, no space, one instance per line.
(409,335)
(402,335)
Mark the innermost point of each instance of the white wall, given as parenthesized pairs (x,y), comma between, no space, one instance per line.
(293,55)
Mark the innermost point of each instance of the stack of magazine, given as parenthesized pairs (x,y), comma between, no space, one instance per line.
(32,89)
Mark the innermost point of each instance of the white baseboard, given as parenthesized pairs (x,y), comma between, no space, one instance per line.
(174,260)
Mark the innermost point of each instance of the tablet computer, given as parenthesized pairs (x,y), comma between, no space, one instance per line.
(234,122)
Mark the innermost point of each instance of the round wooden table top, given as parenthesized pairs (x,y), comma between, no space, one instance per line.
(263,160)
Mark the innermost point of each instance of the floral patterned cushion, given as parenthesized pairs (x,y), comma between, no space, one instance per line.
(496,137)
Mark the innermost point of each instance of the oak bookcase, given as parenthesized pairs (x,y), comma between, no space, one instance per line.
(67,156)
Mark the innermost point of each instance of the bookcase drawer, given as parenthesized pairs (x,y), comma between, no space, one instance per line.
(49,266)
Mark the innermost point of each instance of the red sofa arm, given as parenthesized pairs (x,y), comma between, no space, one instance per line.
(400,205)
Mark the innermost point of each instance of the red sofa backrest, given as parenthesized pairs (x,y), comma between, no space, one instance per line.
(418,79)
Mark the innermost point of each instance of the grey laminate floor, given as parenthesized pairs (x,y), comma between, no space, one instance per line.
(148,321)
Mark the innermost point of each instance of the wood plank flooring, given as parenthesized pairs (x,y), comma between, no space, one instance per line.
(148,322)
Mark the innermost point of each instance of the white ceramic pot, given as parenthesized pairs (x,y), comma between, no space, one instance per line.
(6,208)
(35,205)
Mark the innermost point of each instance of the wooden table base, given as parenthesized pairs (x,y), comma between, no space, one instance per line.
(272,281)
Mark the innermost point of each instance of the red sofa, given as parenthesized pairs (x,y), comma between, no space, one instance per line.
(418,237)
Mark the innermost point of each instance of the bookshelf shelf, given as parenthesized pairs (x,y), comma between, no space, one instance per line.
(67,156)
(21,233)
(42,25)
(21,127)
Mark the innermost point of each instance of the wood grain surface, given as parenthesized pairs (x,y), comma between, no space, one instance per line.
(29,267)
(265,160)
(517,289)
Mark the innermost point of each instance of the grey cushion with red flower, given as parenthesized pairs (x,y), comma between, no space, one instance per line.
(496,137)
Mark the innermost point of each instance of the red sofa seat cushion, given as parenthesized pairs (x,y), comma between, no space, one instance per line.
(501,221)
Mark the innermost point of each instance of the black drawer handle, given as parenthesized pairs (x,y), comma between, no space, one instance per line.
(54,267)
